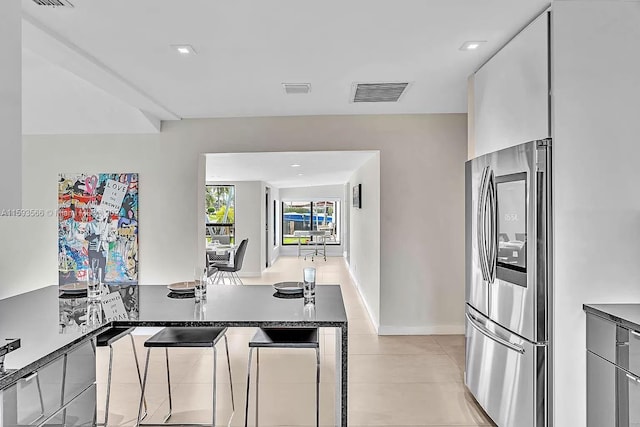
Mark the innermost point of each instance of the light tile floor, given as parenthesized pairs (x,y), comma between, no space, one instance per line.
(406,381)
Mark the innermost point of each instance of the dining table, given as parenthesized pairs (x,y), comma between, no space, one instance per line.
(52,326)
(221,251)
(315,243)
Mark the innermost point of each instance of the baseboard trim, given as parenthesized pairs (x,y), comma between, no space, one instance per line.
(421,330)
(376,325)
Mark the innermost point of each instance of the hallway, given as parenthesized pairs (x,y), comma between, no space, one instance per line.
(393,380)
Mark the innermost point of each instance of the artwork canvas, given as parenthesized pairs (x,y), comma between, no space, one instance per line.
(357,200)
(98,227)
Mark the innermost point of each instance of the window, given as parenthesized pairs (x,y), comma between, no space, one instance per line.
(307,216)
(220,213)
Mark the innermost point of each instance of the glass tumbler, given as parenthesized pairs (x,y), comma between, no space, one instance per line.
(200,289)
(309,285)
(93,284)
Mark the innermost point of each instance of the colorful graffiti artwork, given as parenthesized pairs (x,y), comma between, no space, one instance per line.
(98,227)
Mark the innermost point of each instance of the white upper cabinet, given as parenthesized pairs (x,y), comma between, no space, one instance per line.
(511,91)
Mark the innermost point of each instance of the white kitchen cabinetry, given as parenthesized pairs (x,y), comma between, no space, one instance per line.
(595,127)
(61,393)
(613,366)
(511,92)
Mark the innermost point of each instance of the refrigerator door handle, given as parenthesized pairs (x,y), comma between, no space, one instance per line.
(492,244)
(481,225)
(487,333)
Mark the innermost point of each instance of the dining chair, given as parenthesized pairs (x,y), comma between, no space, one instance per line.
(282,338)
(187,337)
(108,338)
(231,270)
(315,246)
(213,257)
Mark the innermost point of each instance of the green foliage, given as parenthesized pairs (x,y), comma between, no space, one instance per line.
(218,216)
(217,197)
(290,209)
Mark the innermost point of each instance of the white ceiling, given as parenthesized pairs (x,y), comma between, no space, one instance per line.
(316,167)
(248,48)
(61,100)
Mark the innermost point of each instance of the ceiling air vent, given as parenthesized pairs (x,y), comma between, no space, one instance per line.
(378,92)
(296,88)
(54,3)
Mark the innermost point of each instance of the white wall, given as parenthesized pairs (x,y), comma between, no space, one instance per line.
(471,122)
(10,107)
(274,249)
(28,257)
(421,192)
(596,81)
(86,107)
(364,230)
(346,215)
(422,234)
(249,217)
(511,92)
(314,192)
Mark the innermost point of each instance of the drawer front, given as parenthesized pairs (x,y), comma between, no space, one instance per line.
(80,371)
(80,412)
(34,397)
(601,337)
(634,352)
(628,396)
(601,392)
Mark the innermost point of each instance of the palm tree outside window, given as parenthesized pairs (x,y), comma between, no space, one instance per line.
(220,213)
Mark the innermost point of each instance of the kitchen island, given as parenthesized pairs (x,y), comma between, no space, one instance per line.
(56,364)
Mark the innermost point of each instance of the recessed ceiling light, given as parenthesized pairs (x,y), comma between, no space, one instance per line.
(295,165)
(184,49)
(472,45)
(300,174)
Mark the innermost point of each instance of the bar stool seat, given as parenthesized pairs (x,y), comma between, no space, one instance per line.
(112,335)
(282,338)
(285,338)
(107,339)
(188,337)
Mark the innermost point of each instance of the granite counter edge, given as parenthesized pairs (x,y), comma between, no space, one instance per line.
(233,323)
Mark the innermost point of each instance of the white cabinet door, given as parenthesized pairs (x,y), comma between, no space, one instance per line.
(511,92)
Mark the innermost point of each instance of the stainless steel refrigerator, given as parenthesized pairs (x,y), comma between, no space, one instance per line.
(508,284)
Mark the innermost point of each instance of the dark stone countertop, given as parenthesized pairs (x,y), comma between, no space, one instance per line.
(48,326)
(627,315)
